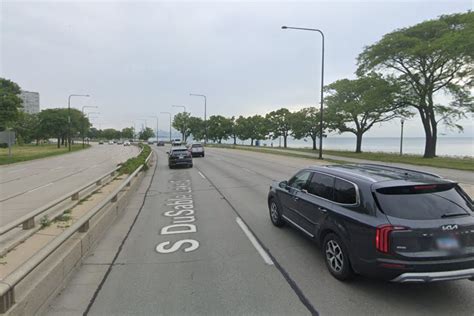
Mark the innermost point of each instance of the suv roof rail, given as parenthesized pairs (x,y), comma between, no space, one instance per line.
(392,168)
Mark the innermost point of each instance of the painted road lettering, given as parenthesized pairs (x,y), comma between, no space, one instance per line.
(182,217)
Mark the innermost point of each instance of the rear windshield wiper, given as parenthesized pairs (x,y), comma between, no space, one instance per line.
(453,214)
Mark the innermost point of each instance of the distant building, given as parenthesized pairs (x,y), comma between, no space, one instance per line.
(31,103)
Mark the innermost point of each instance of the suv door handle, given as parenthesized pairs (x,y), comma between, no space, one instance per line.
(322,209)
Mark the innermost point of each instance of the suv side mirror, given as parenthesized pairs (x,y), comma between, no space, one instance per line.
(283,184)
(168,152)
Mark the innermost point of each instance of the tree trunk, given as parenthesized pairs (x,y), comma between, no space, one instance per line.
(358,142)
(430,127)
(251,141)
(235,140)
(314,142)
(284,140)
(59,142)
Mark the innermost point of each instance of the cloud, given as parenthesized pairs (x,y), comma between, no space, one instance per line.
(138,58)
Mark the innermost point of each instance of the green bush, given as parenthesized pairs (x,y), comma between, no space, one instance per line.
(132,164)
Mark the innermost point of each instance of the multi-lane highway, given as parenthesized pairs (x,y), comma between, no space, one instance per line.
(29,185)
(203,244)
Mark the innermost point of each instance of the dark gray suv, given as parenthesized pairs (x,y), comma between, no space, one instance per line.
(396,224)
(179,156)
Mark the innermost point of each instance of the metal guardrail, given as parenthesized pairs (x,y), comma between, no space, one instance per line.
(28,220)
(8,284)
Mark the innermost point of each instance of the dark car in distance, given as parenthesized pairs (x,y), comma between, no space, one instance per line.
(160,143)
(385,222)
(179,156)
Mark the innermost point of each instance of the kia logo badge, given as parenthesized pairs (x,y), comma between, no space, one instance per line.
(449,227)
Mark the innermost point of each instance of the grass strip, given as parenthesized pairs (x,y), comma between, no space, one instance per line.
(464,163)
(31,152)
(132,164)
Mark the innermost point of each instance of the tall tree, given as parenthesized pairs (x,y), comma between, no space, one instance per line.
(233,129)
(27,128)
(94,133)
(10,103)
(356,105)
(305,123)
(279,124)
(196,127)
(112,133)
(429,58)
(242,128)
(218,128)
(146,134)
(128,132)
(53,123)
(258,128)
(181,123)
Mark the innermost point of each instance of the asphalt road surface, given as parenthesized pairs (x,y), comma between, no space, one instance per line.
(28,185)
(203,244)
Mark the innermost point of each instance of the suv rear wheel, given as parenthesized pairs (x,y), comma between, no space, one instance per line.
(337,258)
(275,214)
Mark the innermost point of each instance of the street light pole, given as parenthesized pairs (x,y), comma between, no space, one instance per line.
(205,113)
(156,117)
(89,118)
(184,111)
(69,116)
(402,122)
(170,122)
(322,82)
(82,127)
(141,119)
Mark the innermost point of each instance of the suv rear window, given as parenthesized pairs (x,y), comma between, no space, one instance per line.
(423,202)
(197,145)
(179,152)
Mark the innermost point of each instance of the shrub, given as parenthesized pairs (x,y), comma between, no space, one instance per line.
(132,164)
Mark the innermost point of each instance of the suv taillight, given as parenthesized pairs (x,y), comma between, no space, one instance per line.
(382,237)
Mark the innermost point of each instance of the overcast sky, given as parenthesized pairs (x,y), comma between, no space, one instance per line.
(136,59)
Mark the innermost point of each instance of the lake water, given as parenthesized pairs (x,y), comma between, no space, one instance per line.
(447,146)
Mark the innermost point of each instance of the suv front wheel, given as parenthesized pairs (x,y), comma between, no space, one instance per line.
(275,214)
(337,257)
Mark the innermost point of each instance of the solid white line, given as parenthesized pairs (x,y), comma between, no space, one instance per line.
(43,186)
(203,176)
(254,242)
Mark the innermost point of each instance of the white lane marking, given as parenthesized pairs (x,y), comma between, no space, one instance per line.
(248,170)
(43,186)
(13,171)
(57,168)
(203,176)
(254,242)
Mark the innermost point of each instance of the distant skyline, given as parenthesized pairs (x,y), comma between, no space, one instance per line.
(136,59)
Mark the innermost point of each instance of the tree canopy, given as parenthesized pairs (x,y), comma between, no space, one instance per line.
(279,124)
(305,123)
(10,103)
(435,56)
(356,105)
(181,123)
(218,128)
